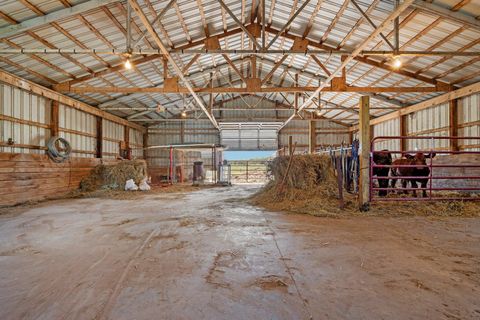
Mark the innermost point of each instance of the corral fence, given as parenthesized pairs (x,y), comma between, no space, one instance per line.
(248,171)
(452,175)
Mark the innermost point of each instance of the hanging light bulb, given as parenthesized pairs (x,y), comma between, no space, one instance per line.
(183,114)
(397,63)
(128,64)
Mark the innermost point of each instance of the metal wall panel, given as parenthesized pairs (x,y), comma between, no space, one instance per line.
(79,129)
(387,128)
(113,134)
(21,105)
(136,143)
(469,121)
(433,121)
(299,130)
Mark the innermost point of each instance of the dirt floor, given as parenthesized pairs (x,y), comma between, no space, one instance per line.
(209,254)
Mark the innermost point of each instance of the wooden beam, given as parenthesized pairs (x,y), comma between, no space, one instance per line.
(126,139)
(63,99)
(146,59)
(338,87)
(364,59)
(453,127)
(390,18)
(141,15)
(231,64)
(312,137)
(403,133)
(190,63)
(274,68)
(99,138)
(457,16)
(29,24)
(321,64)
(364,134)
(54,119)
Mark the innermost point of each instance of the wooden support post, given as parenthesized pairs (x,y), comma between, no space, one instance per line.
(254,64)
(312,137)
(126,139)
(182,132)
(145,145)
(54,122)
(296,94)
(364,134)
(290,145)
(453,129)
(99,151)
(403,133)
(165,68)
(211,98)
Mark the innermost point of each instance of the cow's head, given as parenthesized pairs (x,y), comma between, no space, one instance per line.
(419,159)
(382,157)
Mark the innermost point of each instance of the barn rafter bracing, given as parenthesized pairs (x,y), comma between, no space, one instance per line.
(230,49)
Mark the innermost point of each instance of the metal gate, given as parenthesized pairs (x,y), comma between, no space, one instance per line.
(248,171)
(445,180)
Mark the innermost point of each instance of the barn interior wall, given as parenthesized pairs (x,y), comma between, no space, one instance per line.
(434,121)
(328,134)
(26,172)
(178,132)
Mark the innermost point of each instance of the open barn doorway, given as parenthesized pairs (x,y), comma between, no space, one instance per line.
(249,166)
(250,146)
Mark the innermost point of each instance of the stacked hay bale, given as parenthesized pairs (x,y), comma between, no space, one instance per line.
(113,177)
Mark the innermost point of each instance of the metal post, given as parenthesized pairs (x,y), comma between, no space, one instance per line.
(246,171)
(170,174)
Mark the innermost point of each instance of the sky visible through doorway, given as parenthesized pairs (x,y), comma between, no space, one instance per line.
(247,155)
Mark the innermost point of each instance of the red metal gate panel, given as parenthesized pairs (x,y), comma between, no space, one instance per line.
(433,192)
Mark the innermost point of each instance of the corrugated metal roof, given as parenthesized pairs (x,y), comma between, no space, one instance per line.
(182,24)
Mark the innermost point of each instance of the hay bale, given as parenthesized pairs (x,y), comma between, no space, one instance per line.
(113,177)
(309,187)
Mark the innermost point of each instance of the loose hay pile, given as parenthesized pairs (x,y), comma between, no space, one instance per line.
(113,177)
(311,188)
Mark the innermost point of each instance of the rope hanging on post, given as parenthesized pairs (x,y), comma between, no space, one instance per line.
(59,149)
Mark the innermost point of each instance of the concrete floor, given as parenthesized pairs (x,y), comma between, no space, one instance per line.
(210,255)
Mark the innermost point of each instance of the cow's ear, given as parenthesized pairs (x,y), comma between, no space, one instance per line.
(430,155)
(409,156)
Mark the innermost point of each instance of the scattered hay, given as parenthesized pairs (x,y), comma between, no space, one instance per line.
(311,188)
(272,282)
(113,177)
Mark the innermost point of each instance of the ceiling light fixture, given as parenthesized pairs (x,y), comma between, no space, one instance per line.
(183,114)
(397,62)
(128,64)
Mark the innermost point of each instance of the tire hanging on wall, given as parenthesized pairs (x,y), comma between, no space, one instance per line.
(58,149)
